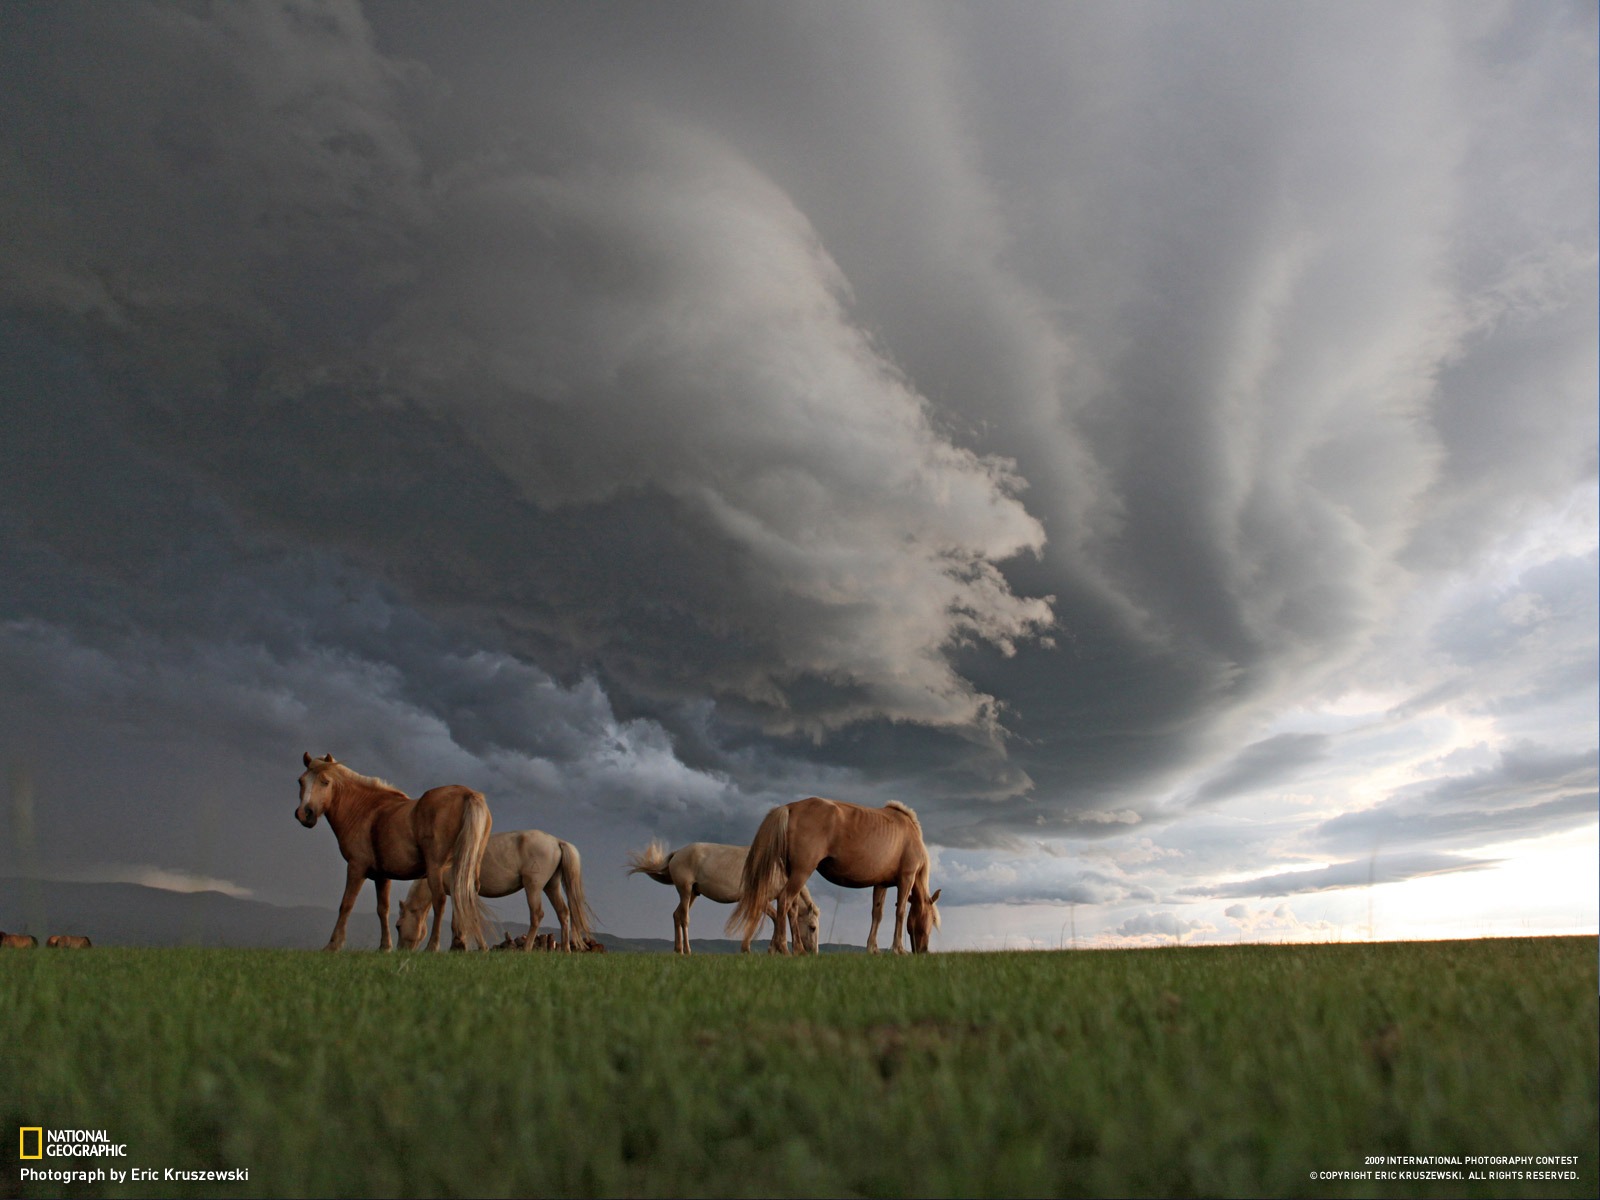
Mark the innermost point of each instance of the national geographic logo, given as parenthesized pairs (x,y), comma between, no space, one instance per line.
(36,1142)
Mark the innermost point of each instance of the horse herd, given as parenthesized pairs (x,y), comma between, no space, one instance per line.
(442,841)
(56,941)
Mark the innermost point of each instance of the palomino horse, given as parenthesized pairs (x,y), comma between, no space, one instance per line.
(17,941)
(385,835)
(712,870)
(67,941)
(527,860)
(848,845)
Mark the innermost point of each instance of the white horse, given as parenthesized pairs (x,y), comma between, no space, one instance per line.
(527,860)
(713,870)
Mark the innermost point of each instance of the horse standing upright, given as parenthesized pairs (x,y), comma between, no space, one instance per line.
(386,835)
(712,870)
(848,845)
(527,860)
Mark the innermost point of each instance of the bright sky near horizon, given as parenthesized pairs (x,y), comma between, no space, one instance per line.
(1156,442)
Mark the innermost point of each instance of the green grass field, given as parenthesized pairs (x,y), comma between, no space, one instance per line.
(1232,1071)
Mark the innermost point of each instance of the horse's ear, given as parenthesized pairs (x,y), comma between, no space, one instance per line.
(307,757)
(327,758)
(934,899)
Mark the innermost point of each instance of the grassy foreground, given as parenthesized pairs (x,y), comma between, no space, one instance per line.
(1218,1071)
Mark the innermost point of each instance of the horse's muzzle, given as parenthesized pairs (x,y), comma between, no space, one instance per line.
(306,817)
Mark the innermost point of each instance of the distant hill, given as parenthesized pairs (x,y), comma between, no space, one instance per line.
(129,914)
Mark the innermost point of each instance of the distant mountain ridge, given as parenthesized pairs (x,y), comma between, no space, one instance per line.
(131,914)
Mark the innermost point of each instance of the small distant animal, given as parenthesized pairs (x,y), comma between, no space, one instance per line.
(591,946)
(17,941)
(67,941)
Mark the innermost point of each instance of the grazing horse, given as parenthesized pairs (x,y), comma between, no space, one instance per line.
(712,870)
(848,845)
(386,835)
(524,861)
(67,941)
(17,941)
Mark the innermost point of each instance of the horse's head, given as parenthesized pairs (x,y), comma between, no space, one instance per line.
(316,789)
(923,918)
(410,927)
(808,928)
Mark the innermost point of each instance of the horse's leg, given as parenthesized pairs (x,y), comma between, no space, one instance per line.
(902,893)
(680,921)
(436,884)
(771,914)
(354,877)
(780,916)
(563,913)
(784,902)
(457,936)
(877,917)
(535,914)
(383,913)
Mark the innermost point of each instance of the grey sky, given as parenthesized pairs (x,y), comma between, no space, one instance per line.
(1161,433)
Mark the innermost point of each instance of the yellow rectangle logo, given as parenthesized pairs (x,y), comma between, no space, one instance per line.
(38,1141)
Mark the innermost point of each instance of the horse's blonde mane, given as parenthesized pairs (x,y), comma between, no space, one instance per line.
(907,810)
(348,775)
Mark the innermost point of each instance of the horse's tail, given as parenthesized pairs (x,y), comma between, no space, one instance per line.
(651,861)
(468,857)
(572,884)
(766,867)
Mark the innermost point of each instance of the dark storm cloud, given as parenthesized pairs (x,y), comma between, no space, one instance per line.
(672,410)
(1263,763)
(474,372)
